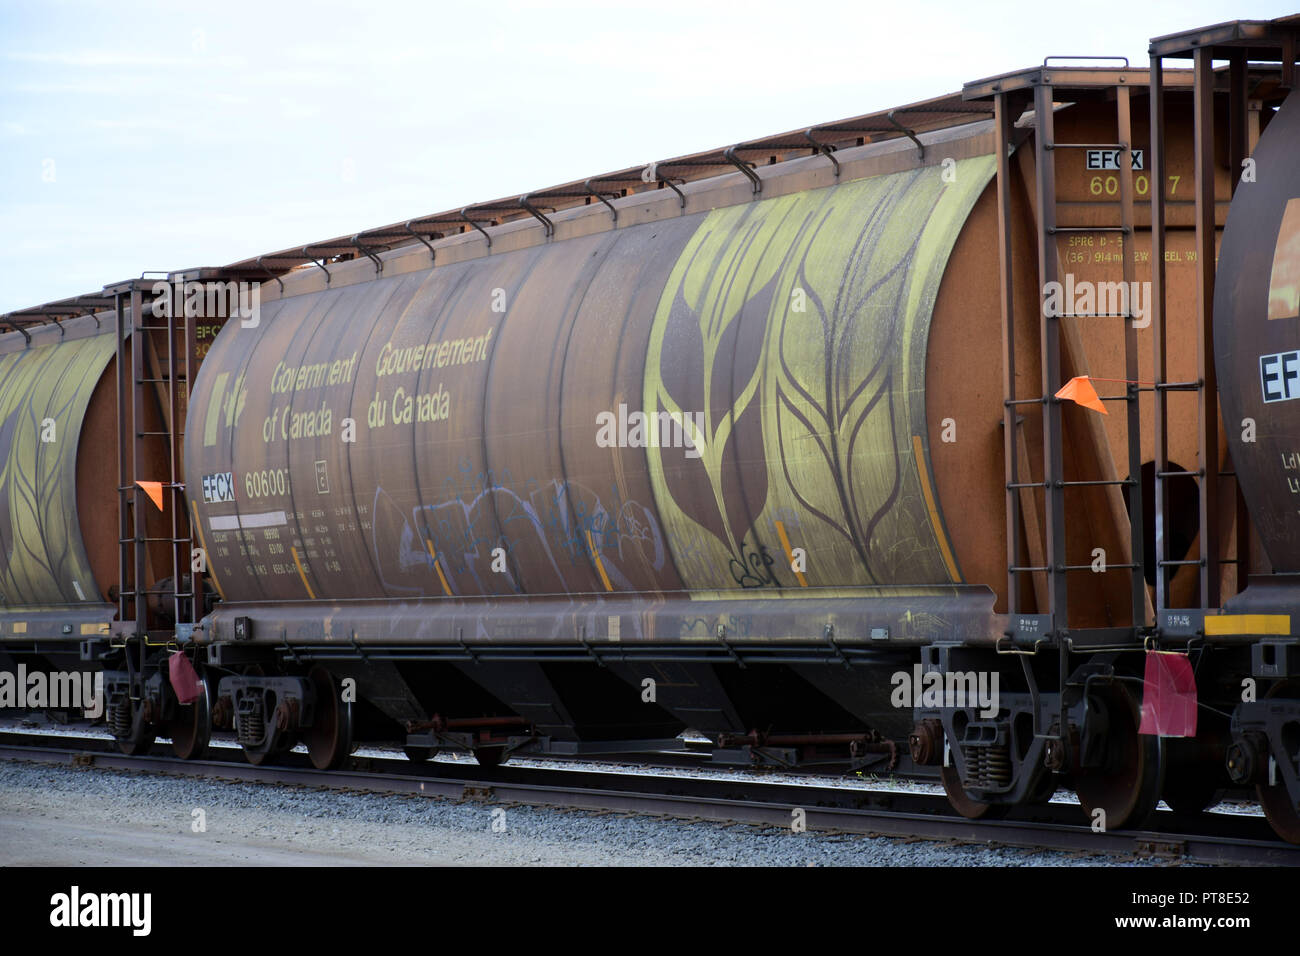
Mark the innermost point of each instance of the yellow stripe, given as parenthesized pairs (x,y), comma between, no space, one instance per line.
(437,566)
(1225,624)
(94,628)
(302,574)
(207,555)
(213,417)
(789,554)
(599,566)
(924,474)
(18,627)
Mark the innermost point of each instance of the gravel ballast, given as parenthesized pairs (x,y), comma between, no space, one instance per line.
(54,815)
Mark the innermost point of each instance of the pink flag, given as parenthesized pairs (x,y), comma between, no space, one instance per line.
(1169,696)
(185,681)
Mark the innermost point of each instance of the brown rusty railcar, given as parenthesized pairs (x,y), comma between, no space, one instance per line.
(755,442)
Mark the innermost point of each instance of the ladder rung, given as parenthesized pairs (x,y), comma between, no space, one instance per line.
(1119,146)
(1053,230)
(1180,474)
(1088,567)
(1016,567)
(1094,315)
(153,434)
(1168,563)
(1114,481)
(155,540)
(1022,401)
(1177,386)
(1026,484)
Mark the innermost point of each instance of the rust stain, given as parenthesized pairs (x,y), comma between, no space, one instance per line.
(789,554)
(599,565)
(930,506)
(302,574)
(437,566)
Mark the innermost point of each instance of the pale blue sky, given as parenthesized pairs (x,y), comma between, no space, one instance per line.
(151,136)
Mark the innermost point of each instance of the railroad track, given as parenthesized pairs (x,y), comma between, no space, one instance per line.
(1210,838)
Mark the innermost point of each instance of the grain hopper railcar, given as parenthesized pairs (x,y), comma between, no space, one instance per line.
(760,443)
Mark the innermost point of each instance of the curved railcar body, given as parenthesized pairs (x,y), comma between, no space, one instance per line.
(663,407)
(1257,334)
(56,495)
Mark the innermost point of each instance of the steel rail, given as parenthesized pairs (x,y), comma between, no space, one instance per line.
(1238,840)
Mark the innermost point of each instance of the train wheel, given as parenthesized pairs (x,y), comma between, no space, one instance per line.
(489,756)
(1190,794)
(1282,815)
(281,747)
(1044,790)
(963,802)
(420,754)
(1128,787)
(329,738)
(191,728)
(258,758)
(139,740)
(1192,774)
(138,743)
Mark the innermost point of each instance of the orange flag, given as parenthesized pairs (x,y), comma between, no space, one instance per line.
(1080,390)
(154,490)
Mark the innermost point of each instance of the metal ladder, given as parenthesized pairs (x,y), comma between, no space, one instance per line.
(1054,484)
(133,537)
(1205,387)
